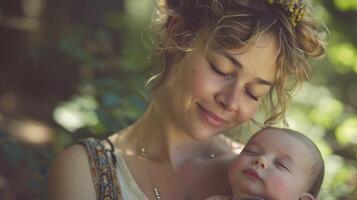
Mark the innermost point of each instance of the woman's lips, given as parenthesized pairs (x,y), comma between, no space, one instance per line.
(210,117)
(252,173)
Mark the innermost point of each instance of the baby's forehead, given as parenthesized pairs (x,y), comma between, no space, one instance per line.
(278,140)
(271,133)
(274,135)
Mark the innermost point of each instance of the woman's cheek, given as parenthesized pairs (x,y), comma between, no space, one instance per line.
(200,84)
(246,112)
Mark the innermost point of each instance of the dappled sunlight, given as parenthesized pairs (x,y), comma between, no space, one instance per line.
(29,22)
(33,8)
(327,113)
(78,113)
(139,9)
(346,5)
(346,133)
(340,176)
(344,56)
(307,97)
(30,131)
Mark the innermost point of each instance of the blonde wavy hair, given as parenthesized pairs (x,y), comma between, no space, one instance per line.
(234,24)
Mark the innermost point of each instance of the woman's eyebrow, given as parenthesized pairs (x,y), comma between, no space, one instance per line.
(232,59)
(238,64)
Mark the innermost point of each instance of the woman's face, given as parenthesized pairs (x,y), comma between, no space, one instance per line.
(214,90)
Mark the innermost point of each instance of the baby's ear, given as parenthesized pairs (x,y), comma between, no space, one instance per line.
(306,196)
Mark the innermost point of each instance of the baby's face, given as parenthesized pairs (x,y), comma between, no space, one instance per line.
(273,165)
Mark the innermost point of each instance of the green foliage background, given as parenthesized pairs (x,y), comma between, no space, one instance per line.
(101,42)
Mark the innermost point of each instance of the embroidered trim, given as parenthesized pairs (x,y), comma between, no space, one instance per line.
(102,167)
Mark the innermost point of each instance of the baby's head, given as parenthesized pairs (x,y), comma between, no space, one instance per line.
(277,164)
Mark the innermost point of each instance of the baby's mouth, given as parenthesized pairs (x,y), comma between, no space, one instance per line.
(252,173)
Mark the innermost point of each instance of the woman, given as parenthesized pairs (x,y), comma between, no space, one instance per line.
(222,60)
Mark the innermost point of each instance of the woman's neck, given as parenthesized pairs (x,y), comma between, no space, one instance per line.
(164,141)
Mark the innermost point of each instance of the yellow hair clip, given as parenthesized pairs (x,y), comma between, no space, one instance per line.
(295,7)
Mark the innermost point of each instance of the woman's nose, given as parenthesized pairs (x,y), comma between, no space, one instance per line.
(229,99)
(260,162)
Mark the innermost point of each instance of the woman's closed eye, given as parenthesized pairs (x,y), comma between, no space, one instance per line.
(228,75)
(251,95)
(219,72)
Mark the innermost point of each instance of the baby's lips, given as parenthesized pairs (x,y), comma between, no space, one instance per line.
(252,173)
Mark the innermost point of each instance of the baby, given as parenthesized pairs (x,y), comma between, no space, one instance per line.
(276,164)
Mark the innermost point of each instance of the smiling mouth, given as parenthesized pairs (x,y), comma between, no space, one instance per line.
(210,117)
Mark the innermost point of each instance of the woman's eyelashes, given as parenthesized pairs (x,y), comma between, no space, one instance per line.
(219,72)
(251,95)
(228,75)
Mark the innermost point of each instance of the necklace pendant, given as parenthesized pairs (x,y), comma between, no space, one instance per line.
(157,193)
(143,152)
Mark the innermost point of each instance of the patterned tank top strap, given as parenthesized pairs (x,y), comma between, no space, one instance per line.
(102,163)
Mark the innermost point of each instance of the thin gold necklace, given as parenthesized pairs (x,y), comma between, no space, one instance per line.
(188,192)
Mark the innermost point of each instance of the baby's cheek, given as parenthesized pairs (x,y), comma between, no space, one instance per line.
(233,172)
(280,188)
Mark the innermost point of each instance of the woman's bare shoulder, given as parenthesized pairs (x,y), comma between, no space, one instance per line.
(70,176)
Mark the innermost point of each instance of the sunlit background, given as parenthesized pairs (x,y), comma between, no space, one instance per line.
(74,69)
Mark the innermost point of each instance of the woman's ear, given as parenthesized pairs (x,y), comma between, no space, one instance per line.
(306,196)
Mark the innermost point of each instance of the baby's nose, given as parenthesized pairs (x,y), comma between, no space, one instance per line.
(260,161)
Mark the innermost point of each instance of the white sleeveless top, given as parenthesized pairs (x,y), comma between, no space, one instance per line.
(130,190)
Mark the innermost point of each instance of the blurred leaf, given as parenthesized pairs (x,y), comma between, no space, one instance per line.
(99,128)
(347,132)
(139,10)
(63,139)
(77,113)
(109,121)
(346,5)
(324,147)
(115,19)
(344,56)
(3,134)
(12,151)
(110,99)
(327,112)
(309,93)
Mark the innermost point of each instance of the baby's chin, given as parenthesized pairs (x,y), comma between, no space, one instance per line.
(249,198)
(247,195)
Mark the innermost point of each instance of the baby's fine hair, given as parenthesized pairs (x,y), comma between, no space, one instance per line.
(238,23)
(318,170)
